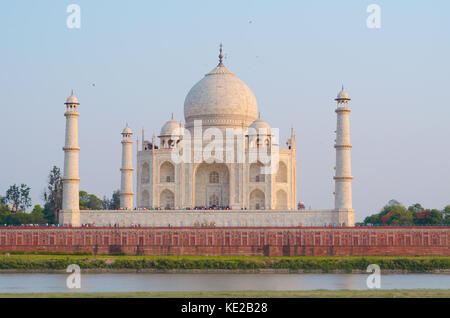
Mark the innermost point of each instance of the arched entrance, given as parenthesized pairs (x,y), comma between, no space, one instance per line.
(257,200)
(212,185)
(167,172)
(167,200)
(255,172)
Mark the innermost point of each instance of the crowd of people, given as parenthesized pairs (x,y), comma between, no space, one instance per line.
(185,209)
(31,225)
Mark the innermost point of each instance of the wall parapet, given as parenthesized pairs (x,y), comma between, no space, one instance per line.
(244,241)
(256,218)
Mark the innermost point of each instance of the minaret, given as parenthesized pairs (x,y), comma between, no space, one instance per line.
(126,184)
(293,170)
(343,177)
(71,178)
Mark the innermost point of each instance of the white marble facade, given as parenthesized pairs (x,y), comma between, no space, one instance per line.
(218,102)
(251,218)
(186,171)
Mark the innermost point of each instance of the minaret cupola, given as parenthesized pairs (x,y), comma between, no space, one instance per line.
(72,103)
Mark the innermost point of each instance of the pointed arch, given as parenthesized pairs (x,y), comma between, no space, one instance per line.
(255,172)
(257,200)
(212,185)
(167,200)
(282,172)
(145,173)
(166,172)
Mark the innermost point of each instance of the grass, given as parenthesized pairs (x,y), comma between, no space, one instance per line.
(26,262)
(44,256)
(394,293)
(58,262)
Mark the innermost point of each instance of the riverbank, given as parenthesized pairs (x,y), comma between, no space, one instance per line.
(218,271)
(394,293)
(214,264)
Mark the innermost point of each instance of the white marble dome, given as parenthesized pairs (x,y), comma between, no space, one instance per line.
(171,128)
(259,126)
(127,131)
(342,95)
(72,99)
(220,99)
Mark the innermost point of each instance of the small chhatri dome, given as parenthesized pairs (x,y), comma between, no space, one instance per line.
(127,131)
(342,95)
(220,99)
(72,99)
(172,128)
(260,126)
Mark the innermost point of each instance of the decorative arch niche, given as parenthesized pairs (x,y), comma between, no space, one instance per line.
(212,185)
(255,172)
(282,172)
(167,172)
(145,174)
(167,200)
(281,197)
(257,200)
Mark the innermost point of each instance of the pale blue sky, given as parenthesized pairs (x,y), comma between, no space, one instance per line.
(144,56)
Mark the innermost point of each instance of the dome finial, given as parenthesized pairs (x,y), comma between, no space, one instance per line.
(220,54)
(342,96)
(172,117)
(127,131)
(72,99)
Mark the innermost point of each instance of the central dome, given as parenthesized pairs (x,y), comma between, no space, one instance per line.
(220,99)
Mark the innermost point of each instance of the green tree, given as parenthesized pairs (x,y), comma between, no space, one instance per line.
(53,195)
(394,203)
(84,200)
(12,197)
(392,213)
(415,208)
(429,217)
(3,206)
(25,200)
(89,201)
(372,219)
(19,218)
(399,215)
(446,214)
(106,203)
(37,215)
(18,197)
(4,210)
(113,203)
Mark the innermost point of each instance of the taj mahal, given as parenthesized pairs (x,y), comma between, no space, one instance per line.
(224,166)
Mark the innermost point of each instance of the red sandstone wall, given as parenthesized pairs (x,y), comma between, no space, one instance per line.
(286,241)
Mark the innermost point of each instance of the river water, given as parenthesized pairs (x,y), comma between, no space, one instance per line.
(135,282)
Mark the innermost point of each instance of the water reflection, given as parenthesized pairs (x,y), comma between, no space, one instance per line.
(34,282)
(351,282)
